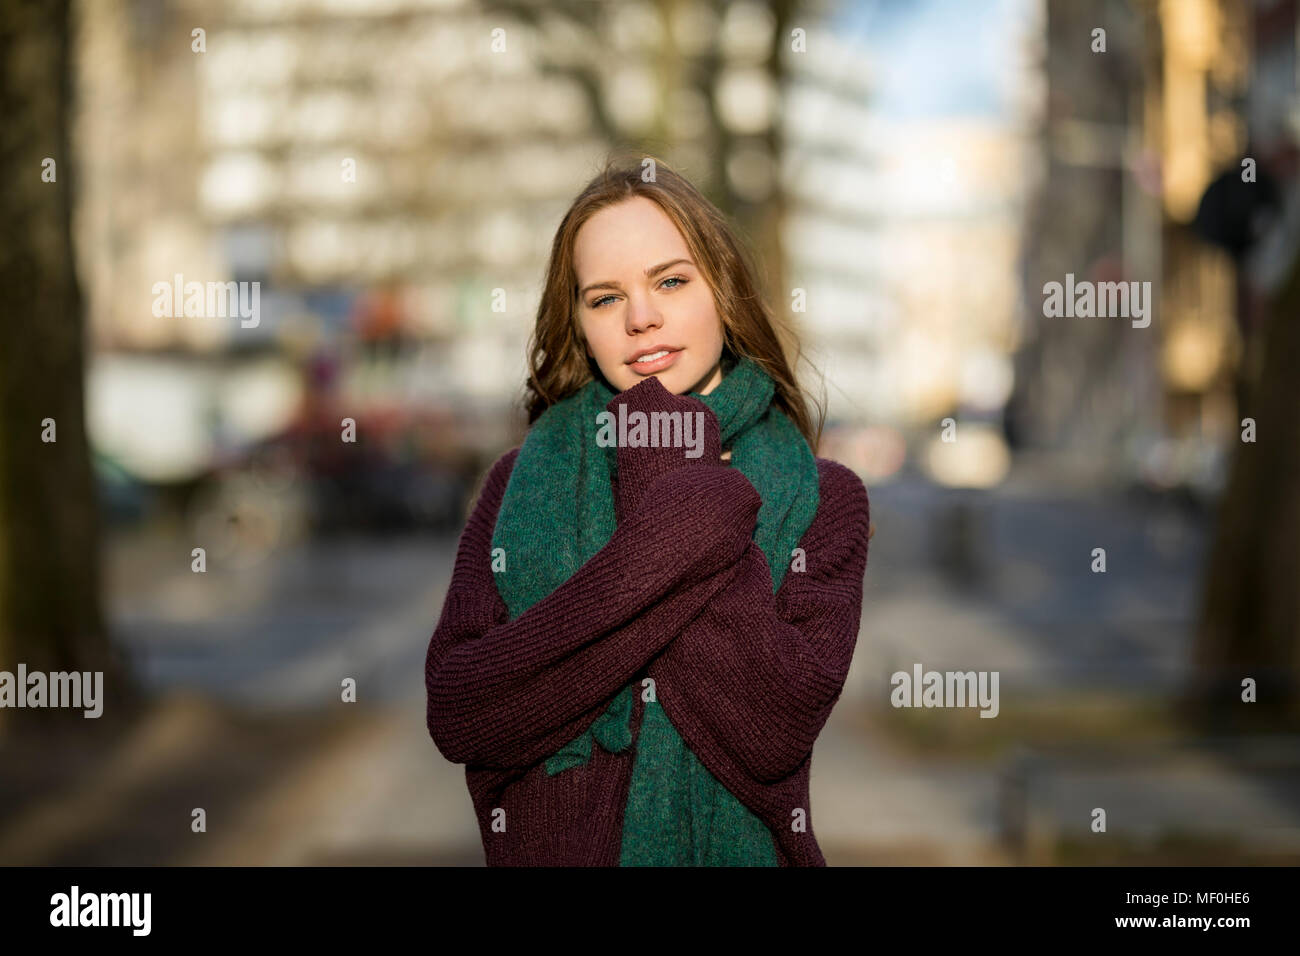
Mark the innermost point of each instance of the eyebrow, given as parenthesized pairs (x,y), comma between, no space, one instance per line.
(652,271)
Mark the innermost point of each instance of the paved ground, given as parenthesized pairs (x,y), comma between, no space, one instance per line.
(251,728)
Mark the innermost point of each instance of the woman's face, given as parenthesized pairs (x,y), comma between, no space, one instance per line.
(627,314)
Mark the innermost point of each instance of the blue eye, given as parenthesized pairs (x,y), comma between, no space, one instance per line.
(681,279)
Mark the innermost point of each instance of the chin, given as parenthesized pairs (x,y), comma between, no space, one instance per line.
(668,380)
(671,379)
(677,381)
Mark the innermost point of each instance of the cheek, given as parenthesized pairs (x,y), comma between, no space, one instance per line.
(599,346)
(704,320)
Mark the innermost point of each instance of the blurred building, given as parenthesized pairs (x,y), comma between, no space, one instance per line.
(910,158)
(390,174)
(377,169)
(1132,139)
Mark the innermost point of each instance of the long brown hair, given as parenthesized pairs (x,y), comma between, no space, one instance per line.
(558,360)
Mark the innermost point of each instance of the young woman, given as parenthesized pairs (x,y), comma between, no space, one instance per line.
(656,597)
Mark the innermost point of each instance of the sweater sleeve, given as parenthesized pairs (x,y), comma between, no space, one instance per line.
(505,694)
(755,675)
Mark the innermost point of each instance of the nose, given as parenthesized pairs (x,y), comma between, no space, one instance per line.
(642,315)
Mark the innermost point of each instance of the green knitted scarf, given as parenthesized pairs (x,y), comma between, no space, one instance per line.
(558,511)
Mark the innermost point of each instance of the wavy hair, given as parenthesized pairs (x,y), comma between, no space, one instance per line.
(558,362)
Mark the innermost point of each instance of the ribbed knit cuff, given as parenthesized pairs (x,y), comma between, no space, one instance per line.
(687,435)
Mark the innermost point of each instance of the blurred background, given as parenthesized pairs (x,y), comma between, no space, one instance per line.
(392,172)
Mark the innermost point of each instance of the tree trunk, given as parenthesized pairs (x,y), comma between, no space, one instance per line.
(1250,619)
(50,614)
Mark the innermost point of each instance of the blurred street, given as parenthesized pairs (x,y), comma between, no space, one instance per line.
(289,776)
(1036,266)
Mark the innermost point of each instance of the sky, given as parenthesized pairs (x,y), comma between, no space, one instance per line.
(937,57)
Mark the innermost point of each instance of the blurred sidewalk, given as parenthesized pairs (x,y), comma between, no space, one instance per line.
(290,775)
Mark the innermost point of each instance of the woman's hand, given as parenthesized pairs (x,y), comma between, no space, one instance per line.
(638,467)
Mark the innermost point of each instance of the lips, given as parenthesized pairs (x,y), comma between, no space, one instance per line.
(648,361)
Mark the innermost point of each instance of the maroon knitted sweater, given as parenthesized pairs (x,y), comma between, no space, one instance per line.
(683,595)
